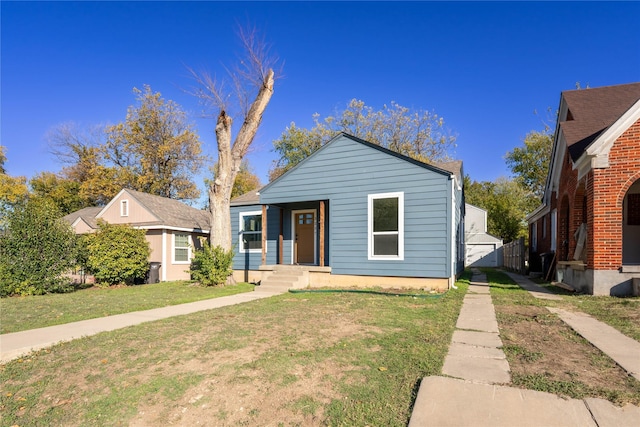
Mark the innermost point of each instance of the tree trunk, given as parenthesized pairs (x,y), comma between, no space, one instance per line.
(229,160)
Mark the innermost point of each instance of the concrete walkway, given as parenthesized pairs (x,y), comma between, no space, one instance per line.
(479,394)
(623,350)
(475,353)
(17,344)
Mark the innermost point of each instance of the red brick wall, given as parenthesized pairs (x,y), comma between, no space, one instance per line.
(609,188)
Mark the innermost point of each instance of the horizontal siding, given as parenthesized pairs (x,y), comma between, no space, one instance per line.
(345,173)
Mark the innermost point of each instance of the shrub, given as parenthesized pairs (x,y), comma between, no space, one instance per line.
(211,265)
(36,249)
(118,253)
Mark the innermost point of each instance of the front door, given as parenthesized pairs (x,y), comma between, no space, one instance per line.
(304,244)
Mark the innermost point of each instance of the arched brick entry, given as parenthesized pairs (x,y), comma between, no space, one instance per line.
(631,225)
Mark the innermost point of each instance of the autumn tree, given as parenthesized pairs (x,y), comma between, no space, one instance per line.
(62,192)
(253,81)
(155,150)
(12,189)
(530,162)
(246,180)
(81,152)
(418,134)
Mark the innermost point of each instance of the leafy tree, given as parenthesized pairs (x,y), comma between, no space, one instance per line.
(12,189)
(81,151)
(64,193)
(253,80)
(245,181)
(118,253)
(211,265)
(507,203)
(36,249)
(415,133)
(3,160)
(154,149)
(530,163)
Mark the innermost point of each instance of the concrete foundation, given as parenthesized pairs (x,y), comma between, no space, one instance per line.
(321,277)
(596,282)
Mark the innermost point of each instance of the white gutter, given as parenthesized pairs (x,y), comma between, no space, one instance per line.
(163,266)
(453,235)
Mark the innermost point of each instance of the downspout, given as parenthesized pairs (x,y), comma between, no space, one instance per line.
(163,266)
(453,234)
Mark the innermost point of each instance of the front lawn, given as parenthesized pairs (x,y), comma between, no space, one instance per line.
(22,313)
(312,359)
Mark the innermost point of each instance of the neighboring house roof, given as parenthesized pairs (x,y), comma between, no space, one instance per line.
(589,122)
(169,212)
(88,215)
(592,111)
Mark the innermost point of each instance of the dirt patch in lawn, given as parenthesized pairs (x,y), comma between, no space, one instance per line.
(546,354)
(282,366)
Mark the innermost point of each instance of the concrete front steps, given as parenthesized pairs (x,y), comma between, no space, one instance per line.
(284,277)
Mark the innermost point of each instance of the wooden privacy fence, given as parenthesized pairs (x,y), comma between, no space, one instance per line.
(514,256)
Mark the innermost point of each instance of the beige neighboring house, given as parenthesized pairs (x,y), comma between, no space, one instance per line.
(172,227)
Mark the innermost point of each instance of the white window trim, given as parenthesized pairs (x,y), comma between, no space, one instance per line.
(124,207)
(241,232)
(173,249)
(371,198)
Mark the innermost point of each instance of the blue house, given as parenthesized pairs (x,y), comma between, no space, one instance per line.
(353,214)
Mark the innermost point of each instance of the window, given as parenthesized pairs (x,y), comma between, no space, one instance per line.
(124,208)
(386,226)
(250,234)
(181,248)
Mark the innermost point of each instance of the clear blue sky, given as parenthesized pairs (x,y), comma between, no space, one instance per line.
(484,67)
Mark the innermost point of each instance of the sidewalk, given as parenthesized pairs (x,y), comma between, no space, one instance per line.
(17,344)
(478,396)
(623,350)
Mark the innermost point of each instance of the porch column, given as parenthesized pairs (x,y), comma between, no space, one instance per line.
(321,232)
(264,234)
(281,236)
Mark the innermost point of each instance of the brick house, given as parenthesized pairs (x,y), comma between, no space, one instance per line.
(588,225)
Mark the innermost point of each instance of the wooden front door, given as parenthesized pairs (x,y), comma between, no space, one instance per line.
(304,244)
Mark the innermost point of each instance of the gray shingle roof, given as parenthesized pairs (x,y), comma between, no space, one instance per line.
(172,212)
(592,111)
(87,214)
(250,198)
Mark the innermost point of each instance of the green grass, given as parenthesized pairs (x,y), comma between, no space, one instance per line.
(365,355)
(23,313)
(575,389)
(622,314)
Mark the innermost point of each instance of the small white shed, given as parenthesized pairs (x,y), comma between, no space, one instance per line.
(482,249)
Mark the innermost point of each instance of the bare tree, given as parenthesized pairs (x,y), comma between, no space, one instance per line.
(252,83)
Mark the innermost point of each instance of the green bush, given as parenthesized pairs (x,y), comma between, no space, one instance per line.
(211,266)
(118,253)
(36,249)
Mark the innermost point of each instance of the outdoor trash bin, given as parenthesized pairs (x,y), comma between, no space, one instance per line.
(154,272)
